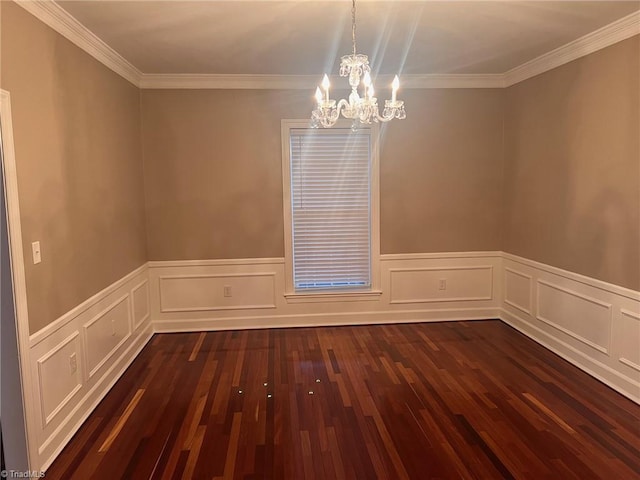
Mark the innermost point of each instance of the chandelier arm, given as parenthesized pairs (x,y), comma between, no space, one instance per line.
(342,104)
(345,108)
(384,118)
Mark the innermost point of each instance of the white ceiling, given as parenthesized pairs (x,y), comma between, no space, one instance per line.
(306,37)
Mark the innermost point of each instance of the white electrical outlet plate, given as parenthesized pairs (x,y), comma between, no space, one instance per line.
(37,256)
(227,290)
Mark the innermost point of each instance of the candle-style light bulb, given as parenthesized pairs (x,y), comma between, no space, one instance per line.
(395,85)
(326,84)
(371,91)
(366,81)
(318,96)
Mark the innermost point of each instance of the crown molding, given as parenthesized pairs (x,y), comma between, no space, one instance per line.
(53,15)
(50,13)
(615,32)
(214,81)
(454,80)
(309,82)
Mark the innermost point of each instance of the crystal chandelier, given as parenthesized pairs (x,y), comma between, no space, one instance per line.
(362,110)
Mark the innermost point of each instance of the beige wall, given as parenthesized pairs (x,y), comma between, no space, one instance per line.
(572,176)
(441,173)
(212,171)
(77,141)
(214,183)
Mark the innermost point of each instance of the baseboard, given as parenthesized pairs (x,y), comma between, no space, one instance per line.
(78,358)
(323,320)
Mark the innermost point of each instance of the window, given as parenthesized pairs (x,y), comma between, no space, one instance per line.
(331,210)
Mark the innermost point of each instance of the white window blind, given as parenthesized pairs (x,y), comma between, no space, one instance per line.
(331,208)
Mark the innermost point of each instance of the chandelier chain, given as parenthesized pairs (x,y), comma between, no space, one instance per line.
(353,26)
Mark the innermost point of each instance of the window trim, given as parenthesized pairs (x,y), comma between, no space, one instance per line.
(371,293)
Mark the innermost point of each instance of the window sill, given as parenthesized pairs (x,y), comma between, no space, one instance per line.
(363,296)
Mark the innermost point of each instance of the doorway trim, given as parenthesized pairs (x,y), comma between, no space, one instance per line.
(18,276)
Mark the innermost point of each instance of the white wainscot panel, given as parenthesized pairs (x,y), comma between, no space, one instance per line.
(191,293)
(105,332)
(59,376)
(517,290)
(628,344)
(418,285)
(580,316)
(140,299)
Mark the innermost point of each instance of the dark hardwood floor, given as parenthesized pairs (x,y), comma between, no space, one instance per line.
(438,400)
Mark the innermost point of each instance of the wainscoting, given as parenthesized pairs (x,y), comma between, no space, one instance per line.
(75,361)
(249,293)
(78,358)
(593,324)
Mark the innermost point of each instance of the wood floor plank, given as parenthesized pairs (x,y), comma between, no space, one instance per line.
(197,347)
(471,400)
(118,426)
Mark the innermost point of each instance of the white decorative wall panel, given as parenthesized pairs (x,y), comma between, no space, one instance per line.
(628,339)
(582,317)
(105,332)
(189,293)
(58,382)
(140,303)
(441,284)
(517,290)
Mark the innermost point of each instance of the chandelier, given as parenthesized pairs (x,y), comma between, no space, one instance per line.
(362,110)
